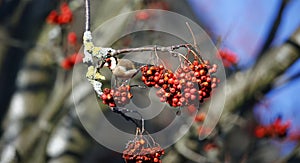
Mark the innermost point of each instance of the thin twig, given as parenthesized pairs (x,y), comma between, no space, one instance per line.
(169,49)
(182,56)
(157,57)
(192,33)
(87,15)
(274,28)
(149,48)
(195,45)
(195,54)
(122,112)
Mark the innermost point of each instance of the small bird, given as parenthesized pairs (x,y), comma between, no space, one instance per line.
(121,68)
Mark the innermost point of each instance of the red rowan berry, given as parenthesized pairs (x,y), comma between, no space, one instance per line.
(52,17)
(72,38)
(200,117)
(142,15)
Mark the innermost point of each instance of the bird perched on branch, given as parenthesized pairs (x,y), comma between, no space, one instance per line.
(121,68)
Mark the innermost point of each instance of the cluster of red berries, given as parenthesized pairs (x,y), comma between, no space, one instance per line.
(228,57)
(116,97)
(69,62)
(158,76)
(276,129)
(63,17)
(139,151)
(180,88)
(197,75)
